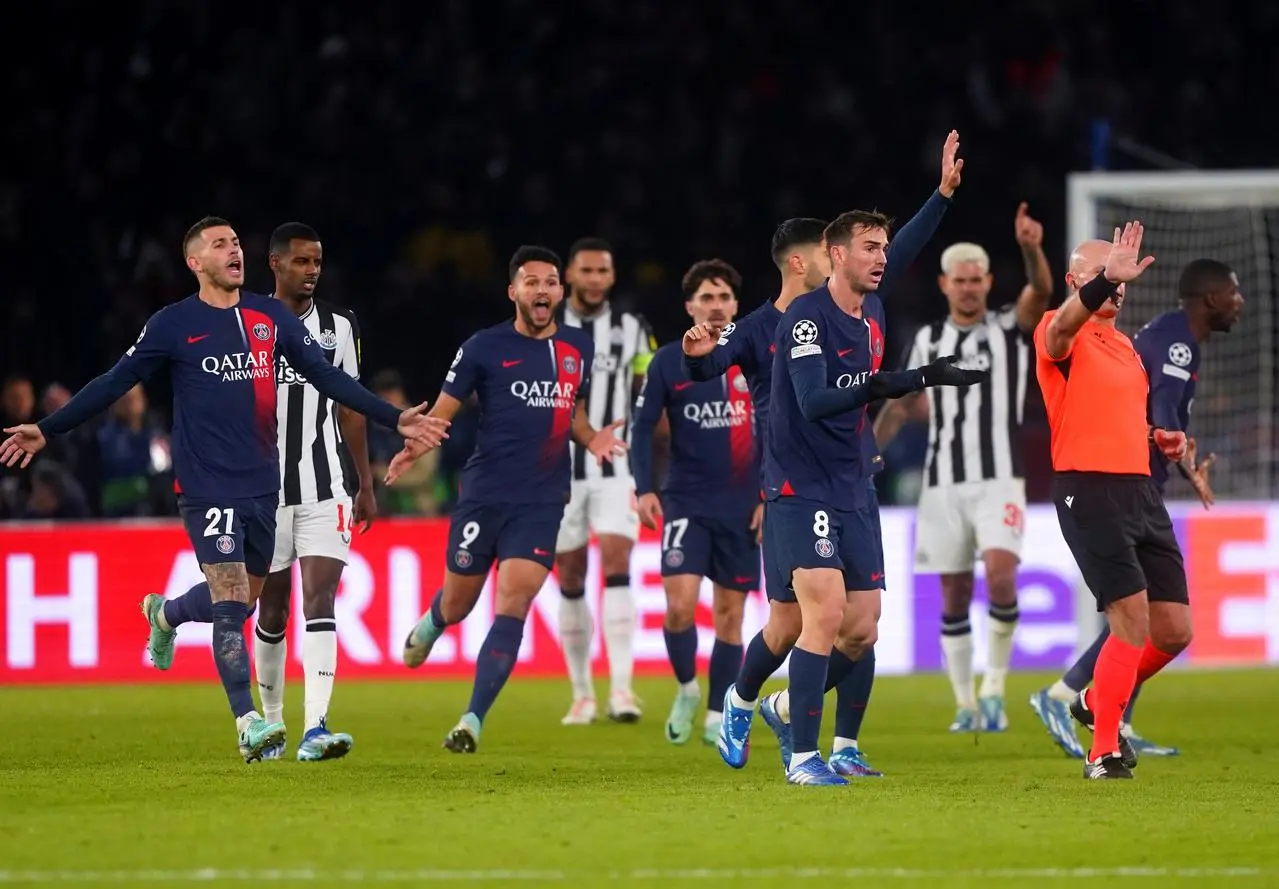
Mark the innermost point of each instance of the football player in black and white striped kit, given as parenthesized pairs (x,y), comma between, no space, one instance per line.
(973,501)
(316,516)
(603,497)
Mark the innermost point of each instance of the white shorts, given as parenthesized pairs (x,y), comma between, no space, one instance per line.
(602,505)
(957,523)
(312,529)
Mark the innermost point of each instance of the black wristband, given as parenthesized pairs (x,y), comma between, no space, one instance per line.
(1095,293)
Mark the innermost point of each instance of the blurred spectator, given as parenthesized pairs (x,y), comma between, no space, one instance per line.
(415,492)
(133,460)
(55,494)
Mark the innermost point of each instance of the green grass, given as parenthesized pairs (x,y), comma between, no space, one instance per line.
(121,780)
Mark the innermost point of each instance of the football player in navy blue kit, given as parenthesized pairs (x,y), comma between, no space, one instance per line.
(822,520)
(799,251)
(708,510)
(530,378)
(219,346)
(1170,347)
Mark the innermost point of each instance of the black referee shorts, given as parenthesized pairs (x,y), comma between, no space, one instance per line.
(1119,532)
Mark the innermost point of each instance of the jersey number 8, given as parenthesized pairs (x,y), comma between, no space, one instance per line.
(821,523)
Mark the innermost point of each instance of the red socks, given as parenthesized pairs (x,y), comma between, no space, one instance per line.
(1152,661)
(1114,678)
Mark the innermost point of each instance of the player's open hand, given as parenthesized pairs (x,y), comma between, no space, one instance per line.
(947,372)
(401,462)
(1197,473)
(417,426)
(23,443)
(700,339)
(952,167)
(364,509)
(757,523)
(1028,230)
(606,445)
(1123,263)
(650,511)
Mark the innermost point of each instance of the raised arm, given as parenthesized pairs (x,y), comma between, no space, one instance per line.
(1121,265)
(910,240)
(1033,300)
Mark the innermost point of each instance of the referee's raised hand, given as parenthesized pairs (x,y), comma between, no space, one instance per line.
(945,372)
(1122,263)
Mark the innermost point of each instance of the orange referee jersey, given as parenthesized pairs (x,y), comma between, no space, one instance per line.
(1096,401)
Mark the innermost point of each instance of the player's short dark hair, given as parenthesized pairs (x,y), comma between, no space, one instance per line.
(581,245)
(711,270)
(1203,276)
(198,229)
(286,234)
(841,229)
(801,231)
(533,253)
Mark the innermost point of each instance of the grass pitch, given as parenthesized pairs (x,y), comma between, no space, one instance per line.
(143,786)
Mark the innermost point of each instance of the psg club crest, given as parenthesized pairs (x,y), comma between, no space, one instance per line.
(226,544)
(674,558)
(740,384)
(570,364)
(262,331)
(462,558)
(824,547)
(877,346)
(327,340)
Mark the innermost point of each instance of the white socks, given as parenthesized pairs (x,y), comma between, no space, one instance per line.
(1000,639)
(958,652)
(738,701)
(619,635)
(269,655)
(1060,691)
(319,663)
(576,632)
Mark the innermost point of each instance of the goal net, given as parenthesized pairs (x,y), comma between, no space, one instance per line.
(1233,217)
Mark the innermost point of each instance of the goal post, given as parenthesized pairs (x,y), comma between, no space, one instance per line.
(1228,215)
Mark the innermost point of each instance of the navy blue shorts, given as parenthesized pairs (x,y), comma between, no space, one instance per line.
(482,533)
(810,535)
(776,583)
(722,550)
(228,531)
(879,534)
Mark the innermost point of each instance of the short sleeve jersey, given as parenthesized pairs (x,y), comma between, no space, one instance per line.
(528,390)
(1095,396)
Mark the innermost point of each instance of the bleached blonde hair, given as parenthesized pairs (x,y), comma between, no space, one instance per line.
(965,251)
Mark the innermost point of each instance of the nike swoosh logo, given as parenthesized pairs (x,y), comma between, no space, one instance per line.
(538,551)
(196,339)
(681,386)
(842,352)
(742,579)
(877,575)
(512,363)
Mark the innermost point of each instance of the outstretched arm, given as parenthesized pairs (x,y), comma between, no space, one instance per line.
(137,365)
(304,354)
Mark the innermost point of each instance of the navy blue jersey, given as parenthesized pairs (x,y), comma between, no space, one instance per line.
(1170,354)
(819,347)
(528,389)
(714,466)
(222,366)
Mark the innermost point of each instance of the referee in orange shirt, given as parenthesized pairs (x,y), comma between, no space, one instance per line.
(1111,514)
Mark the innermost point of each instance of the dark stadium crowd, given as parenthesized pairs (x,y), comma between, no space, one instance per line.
(425,143)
